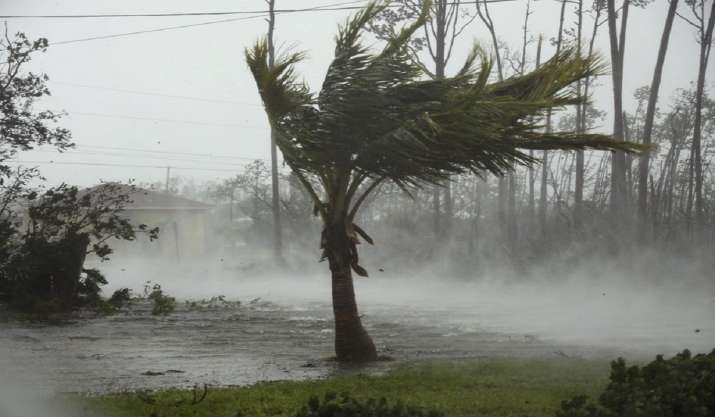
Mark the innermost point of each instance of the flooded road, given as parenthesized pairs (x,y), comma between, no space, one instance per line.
(226,345)
(282,329)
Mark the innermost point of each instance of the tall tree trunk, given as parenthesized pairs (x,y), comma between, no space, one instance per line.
(440,64)
(352,343)
(436,213)
(691,187)
(503,188)
(705,45)
(545,159)
(618,162)
(275,197)
(231,204)
(580,162)
(476,212)
(644,162)
(511,214)
(581,128)
(513,179)
(532,176)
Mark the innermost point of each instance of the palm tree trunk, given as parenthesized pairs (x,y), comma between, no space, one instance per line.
(352,343)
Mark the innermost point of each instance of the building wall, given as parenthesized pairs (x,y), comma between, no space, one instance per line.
(182,234)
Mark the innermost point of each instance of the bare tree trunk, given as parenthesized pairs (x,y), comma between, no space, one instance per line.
(476,213)
(503,186)
(627,137)
(230,207)
(486,18)
(275,198)
(689,202)
(511,214)
(584,108)
(512,226)
(440,63)
(643,165)
(545,160)
(705,45)
(436,213)
(580,127)
(618,166)
(532,176)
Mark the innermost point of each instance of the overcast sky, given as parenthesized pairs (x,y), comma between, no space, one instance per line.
(99,82)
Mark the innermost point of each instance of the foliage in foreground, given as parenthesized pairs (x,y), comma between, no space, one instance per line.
(376,119)
(43,260)
(45,237)
(489,387)
(346,406)
(683,386)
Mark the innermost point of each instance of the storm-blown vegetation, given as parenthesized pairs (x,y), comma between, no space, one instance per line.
(46,235)
(524,229)
(376,119)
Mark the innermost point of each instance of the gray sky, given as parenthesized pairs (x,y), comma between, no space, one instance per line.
(225,118)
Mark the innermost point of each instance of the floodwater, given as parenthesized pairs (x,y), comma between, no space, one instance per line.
(282,329)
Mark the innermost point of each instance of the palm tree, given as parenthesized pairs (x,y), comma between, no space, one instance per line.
(377,118)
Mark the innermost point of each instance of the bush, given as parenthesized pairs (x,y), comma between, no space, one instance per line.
(42,267)
(683,386)
(120,298)
(163,304)
(345,406)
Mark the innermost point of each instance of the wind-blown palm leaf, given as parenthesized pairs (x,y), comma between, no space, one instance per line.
(377,117)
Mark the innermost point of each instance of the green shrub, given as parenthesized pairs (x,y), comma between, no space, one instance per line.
(42,263)
(683,386)
(345,406)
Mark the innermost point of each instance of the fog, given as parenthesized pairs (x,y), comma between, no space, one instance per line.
(21,396)
(648,307)
(282,329)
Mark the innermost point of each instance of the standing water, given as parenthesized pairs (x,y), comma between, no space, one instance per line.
(281,328)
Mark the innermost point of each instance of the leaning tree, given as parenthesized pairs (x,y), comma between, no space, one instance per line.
(378,118)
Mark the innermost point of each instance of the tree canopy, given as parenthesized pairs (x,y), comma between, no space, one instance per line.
(377,117)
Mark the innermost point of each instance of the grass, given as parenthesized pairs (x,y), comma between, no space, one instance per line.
(484,387)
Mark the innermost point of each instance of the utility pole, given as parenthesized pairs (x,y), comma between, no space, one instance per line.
(275,201)
(168,177)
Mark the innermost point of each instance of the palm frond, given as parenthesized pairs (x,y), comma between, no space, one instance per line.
(277,85)
(377,117)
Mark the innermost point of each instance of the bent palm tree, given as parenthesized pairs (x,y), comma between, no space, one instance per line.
(376,119)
